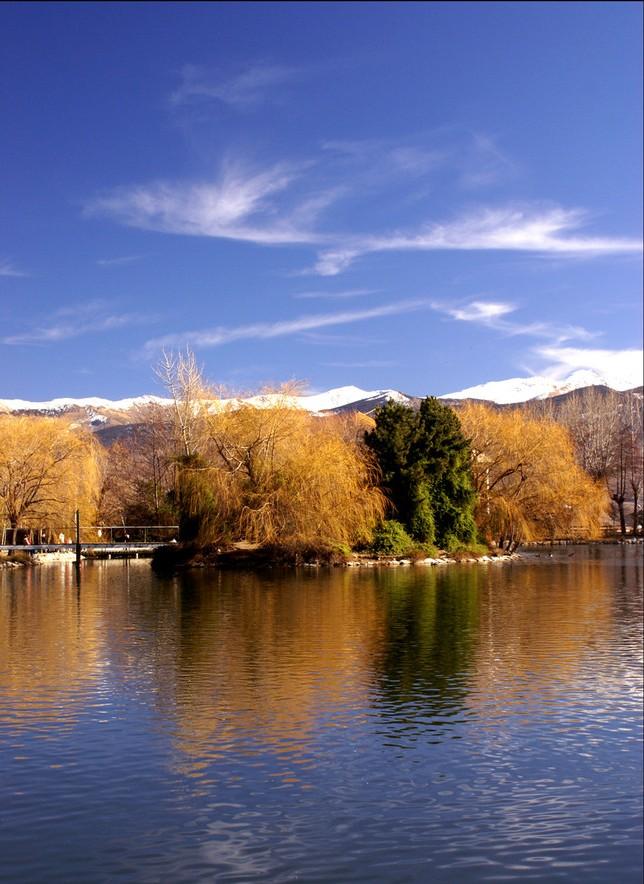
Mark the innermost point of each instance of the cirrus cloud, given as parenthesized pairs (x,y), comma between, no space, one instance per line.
(217,337)
(260,207)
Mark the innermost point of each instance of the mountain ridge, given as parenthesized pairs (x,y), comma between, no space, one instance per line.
(515,390)
(99,413)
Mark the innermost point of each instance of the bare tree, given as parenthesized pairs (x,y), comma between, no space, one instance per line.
(607,431)
(592,417)
(633,420)
(153,446)
(139,471)
(182,378)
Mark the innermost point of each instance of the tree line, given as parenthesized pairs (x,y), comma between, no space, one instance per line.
(404,482)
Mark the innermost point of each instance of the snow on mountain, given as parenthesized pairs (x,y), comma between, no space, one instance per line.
(516,390)
(342,396)
(513,390)
(314,402)
(509,391)
(66,404)
(317,402)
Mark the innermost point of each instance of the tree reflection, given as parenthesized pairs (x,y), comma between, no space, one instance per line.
(51,646)
(262,659)
(429,635)
(251,665)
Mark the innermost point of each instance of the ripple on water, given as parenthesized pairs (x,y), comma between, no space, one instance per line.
(469,725)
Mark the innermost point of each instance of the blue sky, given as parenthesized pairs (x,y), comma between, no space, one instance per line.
(417,196)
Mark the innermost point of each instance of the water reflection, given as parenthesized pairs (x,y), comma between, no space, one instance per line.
(536,633)
(258,661)
(336,725)
(424,650)
(245,654)
(51,645)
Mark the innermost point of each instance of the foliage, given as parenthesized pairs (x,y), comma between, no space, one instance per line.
(391,539)
(48,469)
(267,474)
(278,474)
(528,481)
(425,463)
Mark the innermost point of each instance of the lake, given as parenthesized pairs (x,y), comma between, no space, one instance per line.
(454,724)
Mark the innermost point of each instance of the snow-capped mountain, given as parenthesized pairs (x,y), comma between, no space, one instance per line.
(60,406)
(338,399)
(96,411)
(104,413)
(516,390)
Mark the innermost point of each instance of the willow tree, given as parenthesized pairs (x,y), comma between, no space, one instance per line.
(529,484)
(48,468)
(266,472)
(277,474)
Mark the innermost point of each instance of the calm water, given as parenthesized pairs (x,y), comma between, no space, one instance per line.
(477,723)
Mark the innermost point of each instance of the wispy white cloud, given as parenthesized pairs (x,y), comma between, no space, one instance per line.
(327,339)
(242,91)
(493,314)
(334,261)
(8,269)
(217,337)
(380,158)
(76,321)
(481,163)
(528,229)
(467,160)
(622,369)
(283,205)
(117,262)
(479,311)
(239,205)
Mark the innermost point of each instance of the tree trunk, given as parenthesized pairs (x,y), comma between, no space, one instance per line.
(619,500)
(635,505)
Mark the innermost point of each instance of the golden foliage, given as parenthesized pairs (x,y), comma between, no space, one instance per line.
(48,469)
(529,484)
(276,474)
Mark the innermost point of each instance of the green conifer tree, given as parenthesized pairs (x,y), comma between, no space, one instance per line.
(425,462)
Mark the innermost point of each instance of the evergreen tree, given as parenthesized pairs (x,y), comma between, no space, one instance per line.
(425,462)
(391,441)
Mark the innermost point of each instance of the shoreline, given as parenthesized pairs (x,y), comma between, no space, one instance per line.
(167,560)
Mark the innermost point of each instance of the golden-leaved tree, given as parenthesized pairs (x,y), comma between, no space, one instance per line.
(529,484)
(48,469)
(268,473)
(276,474)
